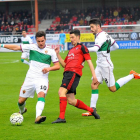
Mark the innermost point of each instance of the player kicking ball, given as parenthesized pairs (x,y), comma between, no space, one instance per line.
(73,65)
(104,43)
(37,75)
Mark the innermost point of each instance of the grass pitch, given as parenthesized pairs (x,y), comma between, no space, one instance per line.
(119,111)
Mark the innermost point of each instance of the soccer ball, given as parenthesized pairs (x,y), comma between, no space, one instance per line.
(16,119)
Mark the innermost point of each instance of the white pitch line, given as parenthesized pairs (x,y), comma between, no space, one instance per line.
(15,61)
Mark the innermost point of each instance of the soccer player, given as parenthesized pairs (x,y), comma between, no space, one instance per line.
(62,38)
(25,40)
(37,75)
(104,43)
(73,64)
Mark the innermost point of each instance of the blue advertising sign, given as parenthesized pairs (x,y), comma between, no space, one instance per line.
(130,44)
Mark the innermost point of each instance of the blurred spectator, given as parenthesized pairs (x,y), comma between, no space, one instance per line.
(81,22)
(57,19)
(17,20)
(12,22)
(58,27)
(88,18)
(1,31)
(25,20)
(25,27)
(74,18)
(14,31)
(29,21)
(66,21)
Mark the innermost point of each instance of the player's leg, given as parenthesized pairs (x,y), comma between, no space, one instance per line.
(23,56)
(27,90)
(41,86)
(94,91)
(62,104)
(63,47)
(122,81)
(21,105)
(68,79)
(60,46)
(78,103)
(40,107)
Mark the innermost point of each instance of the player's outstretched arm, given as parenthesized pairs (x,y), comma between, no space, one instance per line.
(114,47)
(93,49)
(92,70)
(56,66)
(10,47)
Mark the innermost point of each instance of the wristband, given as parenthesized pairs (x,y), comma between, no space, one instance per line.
(2,45)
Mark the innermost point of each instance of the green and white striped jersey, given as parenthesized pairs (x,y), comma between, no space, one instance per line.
(39,59)
(26,40)
(104,42)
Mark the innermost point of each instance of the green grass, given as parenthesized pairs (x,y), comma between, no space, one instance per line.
(119,112)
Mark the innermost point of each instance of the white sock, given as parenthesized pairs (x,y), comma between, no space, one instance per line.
(39,108)
(124,80)
(22,107)
(26,62)
(94,98)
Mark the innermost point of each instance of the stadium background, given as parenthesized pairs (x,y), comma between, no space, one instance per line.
(55,15)
(119,111)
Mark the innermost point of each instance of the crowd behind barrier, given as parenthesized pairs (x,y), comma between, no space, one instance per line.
(14,22)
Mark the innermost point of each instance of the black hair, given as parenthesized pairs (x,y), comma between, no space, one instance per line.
(96,21)
(75,31)
(40,34)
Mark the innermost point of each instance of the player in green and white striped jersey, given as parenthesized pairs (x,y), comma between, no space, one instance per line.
(37,75)
(104,43)
(25,39)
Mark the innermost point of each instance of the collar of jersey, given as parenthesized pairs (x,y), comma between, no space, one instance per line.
(98,33)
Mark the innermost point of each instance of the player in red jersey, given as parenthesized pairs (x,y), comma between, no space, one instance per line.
(73,64)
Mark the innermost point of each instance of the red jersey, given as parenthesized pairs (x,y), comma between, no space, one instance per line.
(76,57)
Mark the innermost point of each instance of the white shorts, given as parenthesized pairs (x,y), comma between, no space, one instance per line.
(31,85)
(25,55)
(105,73)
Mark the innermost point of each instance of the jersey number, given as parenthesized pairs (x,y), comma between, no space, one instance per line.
(43,87)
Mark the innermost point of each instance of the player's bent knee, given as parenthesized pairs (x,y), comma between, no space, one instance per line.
(21,100)
(94,86)
(41,94)
(71,102)
(112,89)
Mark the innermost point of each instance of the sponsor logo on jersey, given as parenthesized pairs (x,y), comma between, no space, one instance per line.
(46,51)
(71,56)
(24,91)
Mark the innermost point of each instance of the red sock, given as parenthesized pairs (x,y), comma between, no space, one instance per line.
(63,104)
(83,106)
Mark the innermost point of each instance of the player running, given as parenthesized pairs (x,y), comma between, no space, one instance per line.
(104,43)
(73,64)
(37,75)
(25,39)
(62,38)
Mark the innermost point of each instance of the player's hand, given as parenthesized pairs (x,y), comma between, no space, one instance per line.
(57,49)
(45,70)
(94,81)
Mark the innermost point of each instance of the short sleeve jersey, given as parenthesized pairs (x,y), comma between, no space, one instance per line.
(103,57)
(39,59)
(26,40)
(75,59)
